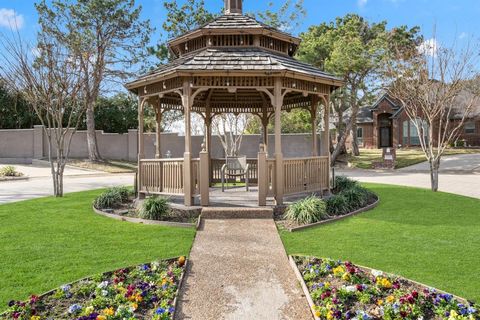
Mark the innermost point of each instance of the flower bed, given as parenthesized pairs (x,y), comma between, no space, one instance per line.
(342,290)
(143,292)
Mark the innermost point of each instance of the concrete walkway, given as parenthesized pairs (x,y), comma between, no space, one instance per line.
(466,184)
(12,191)
(465,163)
(239,270)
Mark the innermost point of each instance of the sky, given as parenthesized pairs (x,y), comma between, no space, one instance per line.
(453,20)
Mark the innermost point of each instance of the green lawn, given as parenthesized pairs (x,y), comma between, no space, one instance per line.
(405,157)
(431,238)
(47,242)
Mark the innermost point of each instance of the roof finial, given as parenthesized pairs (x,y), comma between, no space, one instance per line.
(233,6)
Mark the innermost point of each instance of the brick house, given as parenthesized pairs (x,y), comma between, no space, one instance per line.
(385,124)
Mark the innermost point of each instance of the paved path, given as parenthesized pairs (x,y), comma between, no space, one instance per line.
(239,270)
(11,191)
(467,184)
(42,169)
(456,163)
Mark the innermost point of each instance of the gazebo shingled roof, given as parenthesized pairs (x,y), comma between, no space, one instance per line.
(235,64)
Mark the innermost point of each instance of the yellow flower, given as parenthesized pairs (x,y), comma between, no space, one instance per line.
(390,299)
(89,310)
(327,285)
(108,311)
(338,271)
(330,315)
(380,302)
(384,282)
(317,314)
(35,318)
(453,315)
(138,297)
(101,318)
(346,276)
(134,306)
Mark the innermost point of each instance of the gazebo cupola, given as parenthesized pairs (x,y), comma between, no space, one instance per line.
(233,6)
(235,64)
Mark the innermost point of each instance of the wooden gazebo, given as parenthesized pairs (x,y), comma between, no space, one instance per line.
(234,64)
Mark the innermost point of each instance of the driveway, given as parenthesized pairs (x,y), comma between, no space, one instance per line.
(40,182)
(462,183)
(452,164)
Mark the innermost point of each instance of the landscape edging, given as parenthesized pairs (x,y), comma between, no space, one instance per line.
(175,301)
(294,266)
(143,221)
(4,179)
(361,210)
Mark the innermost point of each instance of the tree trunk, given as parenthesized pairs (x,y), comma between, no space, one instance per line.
(434,168)
(93,154)
(341,143)
(355,149)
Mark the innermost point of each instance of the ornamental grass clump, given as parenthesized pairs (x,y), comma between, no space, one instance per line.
(337,205)
(124,193)
(154,208)
(110,199)
(343,183)
(9,171)
(308,210)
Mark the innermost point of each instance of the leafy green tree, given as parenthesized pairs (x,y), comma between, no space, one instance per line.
(354,50)
(15,111)
(295,121)
(107,36)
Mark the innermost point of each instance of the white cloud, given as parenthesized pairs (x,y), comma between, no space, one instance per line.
(462,35)
(362,3)
(10,19)
(429,47)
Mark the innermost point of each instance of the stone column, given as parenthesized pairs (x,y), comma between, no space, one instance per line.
(279,176)
(37,142)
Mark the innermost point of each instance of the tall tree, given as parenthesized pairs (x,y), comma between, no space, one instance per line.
(108,38)
(52,83)
(438,89)
(16,112)
(355,50)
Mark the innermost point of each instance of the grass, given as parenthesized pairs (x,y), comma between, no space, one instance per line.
(428,237)
(110,166)
(48,242)
(405,157)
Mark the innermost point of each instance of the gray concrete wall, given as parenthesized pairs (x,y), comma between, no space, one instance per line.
(32,144)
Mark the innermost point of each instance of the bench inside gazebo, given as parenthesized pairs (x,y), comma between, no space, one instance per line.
(235,64)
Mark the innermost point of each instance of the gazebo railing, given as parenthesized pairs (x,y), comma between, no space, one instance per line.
(216,171)
(161,176)
(305,174)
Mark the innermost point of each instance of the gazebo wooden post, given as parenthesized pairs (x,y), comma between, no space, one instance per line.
(325,139)
(158,128)
(187,156)
(141,147)
(279,174)
(265,119)
(208,141)
(313,117)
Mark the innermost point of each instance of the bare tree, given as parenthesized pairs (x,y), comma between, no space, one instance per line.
(51,82)
(438,88)
(230,128)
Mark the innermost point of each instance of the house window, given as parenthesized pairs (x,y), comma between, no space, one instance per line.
(405,133)
(360,136)
(470,127)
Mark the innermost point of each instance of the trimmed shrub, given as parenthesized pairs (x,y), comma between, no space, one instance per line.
(357,197)
(343,183)
(110,199)
(308,210)
(337,205)
(9,171)
(154,208)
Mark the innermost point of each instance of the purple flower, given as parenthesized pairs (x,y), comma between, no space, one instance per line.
(160,311)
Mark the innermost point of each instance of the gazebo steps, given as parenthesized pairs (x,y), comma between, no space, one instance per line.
(237,213)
